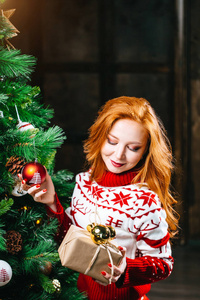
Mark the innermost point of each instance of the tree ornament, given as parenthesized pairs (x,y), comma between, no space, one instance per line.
(15,165)
(57,285)
(17,189)
(101,234)
(13,242)
(23,126)
(33,173)
(14,31)
(5,272)
(46,269)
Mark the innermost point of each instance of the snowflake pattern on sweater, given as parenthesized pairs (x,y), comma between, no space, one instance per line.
(134,211)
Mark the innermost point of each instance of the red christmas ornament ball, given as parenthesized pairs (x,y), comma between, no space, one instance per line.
(33,173)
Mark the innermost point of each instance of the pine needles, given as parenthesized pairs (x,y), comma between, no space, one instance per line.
(13,64)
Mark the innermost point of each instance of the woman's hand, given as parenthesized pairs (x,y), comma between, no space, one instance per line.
(44,193)
(117,270)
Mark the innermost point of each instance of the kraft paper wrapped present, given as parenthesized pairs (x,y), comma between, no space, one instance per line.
(79,253)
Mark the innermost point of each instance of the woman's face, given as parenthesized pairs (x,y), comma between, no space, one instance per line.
(124,146)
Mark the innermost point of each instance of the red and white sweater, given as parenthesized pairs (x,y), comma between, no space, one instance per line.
(140,225)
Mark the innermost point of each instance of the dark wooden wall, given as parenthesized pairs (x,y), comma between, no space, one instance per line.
(91,51)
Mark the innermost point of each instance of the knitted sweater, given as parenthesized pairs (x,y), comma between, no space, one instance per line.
(140,225)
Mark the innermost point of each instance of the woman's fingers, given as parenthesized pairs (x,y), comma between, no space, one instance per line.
(37,196)
(33,189)
(117,270)
(25,186)
(123,250)
(20,176)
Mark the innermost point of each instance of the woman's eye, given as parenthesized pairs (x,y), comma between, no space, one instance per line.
(111,142)
(135,149)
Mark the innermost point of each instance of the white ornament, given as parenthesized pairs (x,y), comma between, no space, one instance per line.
(5,273)
(57,285)
(17,190)
(23,126)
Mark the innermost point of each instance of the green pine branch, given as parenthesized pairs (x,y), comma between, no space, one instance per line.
(27,99)
(3,99)
(5,205)
(19,93)
(2,240)
(26,221)
(8,138)
(13,64)
(51,139)
(6,180)
(41,116)
(38,256)
(46,283)
(46,230)
(42,146)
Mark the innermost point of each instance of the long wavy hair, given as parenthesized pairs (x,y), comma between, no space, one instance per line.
(155,168)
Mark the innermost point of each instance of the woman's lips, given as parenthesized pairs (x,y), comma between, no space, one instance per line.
(115,164)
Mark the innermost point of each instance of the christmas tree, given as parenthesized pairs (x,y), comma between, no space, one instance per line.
(30,267)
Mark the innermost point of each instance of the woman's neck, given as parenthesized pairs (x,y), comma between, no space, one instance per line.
(110,179)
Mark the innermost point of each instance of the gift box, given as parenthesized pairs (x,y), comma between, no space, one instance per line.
(79,253)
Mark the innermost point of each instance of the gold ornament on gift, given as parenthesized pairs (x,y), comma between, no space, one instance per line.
(101,234)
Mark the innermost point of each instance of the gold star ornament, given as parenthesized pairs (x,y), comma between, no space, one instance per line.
(7,14)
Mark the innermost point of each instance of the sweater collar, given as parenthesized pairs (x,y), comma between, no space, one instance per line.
(110,179)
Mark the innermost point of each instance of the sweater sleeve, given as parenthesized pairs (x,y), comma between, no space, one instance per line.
(144,270)
(63,219)
(154,261)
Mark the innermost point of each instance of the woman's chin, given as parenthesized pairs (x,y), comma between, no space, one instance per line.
(115,170)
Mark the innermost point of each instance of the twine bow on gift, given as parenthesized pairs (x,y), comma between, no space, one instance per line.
(95,256)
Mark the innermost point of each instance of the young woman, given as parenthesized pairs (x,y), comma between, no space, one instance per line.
(130,164)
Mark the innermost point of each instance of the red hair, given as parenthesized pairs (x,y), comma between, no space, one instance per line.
(156,168)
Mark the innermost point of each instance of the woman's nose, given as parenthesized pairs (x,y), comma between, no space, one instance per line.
(120,152)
